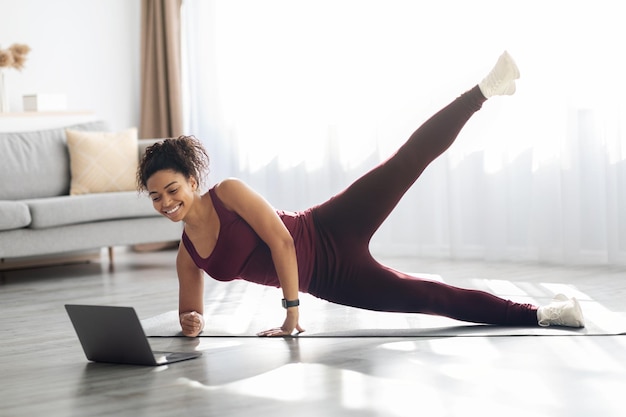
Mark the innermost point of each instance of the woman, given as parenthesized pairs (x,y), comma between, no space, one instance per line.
(231,232)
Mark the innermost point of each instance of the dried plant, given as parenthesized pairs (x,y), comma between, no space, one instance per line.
(14,56)
(6,58)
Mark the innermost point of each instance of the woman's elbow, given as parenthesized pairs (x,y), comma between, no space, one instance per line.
(284,245)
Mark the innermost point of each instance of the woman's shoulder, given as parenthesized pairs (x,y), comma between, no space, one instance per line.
(237,196)
(227,187)
(229,190)
(228,184)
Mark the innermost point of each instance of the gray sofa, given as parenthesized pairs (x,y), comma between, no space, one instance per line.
(39,217)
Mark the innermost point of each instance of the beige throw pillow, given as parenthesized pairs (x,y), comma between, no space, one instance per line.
(102,162)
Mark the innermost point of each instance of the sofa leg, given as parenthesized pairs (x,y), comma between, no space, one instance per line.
(110,257)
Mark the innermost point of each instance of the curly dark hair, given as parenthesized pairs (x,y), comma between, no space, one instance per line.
(184,155)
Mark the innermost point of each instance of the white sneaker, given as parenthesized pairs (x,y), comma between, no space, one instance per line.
(562,311)
(501,80)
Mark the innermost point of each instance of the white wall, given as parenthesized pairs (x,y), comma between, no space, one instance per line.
(86,49)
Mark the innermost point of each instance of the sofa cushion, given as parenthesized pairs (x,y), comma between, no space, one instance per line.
(40,161)
(66,210)
(102,162)
(13,215)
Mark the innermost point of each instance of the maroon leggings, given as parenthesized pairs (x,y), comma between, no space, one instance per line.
(345,271)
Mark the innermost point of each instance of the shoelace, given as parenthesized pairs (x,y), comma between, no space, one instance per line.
(554,315)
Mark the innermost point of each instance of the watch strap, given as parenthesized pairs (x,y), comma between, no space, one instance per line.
(291,303)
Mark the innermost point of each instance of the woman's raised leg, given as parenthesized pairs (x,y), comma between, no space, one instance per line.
(359,210)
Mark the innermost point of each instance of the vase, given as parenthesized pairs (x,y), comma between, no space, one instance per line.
(4,97)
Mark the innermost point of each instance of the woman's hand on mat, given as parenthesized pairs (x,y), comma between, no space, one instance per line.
(192,323)
(290,324)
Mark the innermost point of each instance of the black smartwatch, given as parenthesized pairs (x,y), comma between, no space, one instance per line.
(291,303)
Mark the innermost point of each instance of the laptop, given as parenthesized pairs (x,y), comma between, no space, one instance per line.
(114,335)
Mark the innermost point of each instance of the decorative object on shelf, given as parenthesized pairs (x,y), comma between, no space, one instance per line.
(45,102)
(12,57)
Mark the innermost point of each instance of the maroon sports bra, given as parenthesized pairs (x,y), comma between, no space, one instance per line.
(240,253)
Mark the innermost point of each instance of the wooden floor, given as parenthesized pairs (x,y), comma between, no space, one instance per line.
(43,371)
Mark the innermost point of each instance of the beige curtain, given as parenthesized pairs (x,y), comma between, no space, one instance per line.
(161,90)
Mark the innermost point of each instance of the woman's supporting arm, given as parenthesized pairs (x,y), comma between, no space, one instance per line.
(191,293)
(262,217)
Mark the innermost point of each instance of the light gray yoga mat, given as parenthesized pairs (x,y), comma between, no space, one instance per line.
(243,309)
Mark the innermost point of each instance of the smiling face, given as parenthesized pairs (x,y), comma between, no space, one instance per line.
(172,193)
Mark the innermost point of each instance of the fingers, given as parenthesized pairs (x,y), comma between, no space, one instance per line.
(191,323)
(273,333)
(279,332)
(291,323)
(269,333)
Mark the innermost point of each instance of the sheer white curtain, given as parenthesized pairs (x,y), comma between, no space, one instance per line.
(299,98)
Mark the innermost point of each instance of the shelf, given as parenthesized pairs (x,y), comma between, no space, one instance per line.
(44,113)
(29,121)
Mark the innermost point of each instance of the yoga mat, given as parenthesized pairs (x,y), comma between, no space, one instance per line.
(243,309)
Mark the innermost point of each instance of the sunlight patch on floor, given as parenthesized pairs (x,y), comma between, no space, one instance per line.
(476,347)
